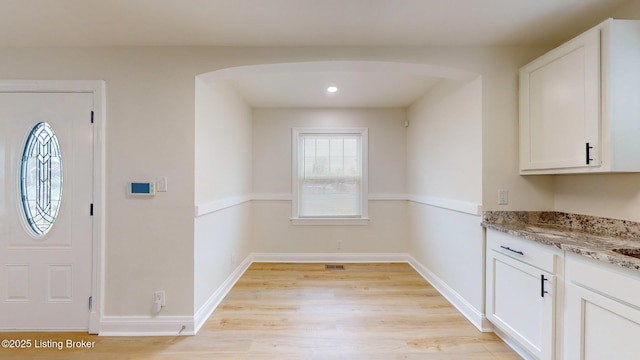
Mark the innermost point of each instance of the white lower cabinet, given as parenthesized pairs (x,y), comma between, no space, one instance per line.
(602,309)
(521,292)
(551,304)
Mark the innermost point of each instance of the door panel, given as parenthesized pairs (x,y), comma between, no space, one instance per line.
(599,327)
(46,279)
(515,302)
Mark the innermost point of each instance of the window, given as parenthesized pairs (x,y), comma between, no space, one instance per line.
(329,176)
(41,178)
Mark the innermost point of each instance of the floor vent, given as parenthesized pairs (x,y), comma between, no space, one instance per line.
(334,267)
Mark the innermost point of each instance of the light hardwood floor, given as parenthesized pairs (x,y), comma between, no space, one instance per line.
(303,311)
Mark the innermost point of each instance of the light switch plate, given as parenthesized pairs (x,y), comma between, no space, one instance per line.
(503,197)
(161,184)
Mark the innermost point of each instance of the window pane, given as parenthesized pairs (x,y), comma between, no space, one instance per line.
(309,146)
(41,178)
(351,146)
(330,197)
(351,166)
(336,146)
(330,185)
(322,146)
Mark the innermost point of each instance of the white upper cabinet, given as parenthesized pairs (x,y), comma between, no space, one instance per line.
(580,104)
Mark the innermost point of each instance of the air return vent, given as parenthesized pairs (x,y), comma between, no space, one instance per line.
(334,267)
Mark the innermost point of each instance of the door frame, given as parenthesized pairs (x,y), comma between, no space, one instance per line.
(97,89)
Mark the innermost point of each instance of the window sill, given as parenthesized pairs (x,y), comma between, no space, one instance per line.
(329,221)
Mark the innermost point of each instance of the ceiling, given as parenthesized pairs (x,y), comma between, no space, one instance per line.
(355,89)
(296,22)
(360,83)
(288,23)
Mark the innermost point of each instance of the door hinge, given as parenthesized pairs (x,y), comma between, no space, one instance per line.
(90,302)
(91,210)
(92,116)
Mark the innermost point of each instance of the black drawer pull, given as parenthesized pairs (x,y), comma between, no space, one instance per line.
(510,249)
(542,280)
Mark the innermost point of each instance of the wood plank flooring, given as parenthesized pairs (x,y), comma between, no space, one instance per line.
(304,311)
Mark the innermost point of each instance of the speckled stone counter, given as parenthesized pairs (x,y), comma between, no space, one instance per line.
(593,237)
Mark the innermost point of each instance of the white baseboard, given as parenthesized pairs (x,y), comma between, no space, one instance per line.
(514,345)
(214,300)
(476,317)
(329,257)
(190,325)
(146,326)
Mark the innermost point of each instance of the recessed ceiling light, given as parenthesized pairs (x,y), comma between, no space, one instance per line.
(332,89)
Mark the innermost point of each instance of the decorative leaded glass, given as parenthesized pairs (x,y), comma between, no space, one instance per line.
(41,178)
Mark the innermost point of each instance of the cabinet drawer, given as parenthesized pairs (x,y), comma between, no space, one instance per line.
(602,310)
(540,256)
(619,284)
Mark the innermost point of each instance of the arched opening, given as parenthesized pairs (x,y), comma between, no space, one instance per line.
(425,159)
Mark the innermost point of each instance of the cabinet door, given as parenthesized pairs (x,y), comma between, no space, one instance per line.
(599,327)
(517,305)
(560,106)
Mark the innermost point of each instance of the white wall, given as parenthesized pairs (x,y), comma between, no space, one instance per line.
(222,240)
(450,246)
(444,152)
(272,175)
(223,143)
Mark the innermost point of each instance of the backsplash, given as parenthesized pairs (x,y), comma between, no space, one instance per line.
(575,222)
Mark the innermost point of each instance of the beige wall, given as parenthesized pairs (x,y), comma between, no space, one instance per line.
(444,152)
(444,145)
(612,195)
(150,131)
(223,142)
(500,136)
(273,232)
(272,145)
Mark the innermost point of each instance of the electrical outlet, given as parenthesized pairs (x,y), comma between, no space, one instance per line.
(159,296)
(338,244)
(503,197)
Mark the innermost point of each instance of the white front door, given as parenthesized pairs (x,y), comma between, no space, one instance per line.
(45,211)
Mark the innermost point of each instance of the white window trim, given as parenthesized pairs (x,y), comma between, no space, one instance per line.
(361,220)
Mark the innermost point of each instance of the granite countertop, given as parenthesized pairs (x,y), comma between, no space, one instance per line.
(592,237)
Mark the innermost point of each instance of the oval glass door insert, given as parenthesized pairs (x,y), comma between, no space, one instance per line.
(41,178)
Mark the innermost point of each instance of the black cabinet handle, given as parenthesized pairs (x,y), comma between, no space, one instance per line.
(510,249)
(588,152)
(542,280)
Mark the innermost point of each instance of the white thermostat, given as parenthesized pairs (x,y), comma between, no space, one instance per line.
(141,189)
